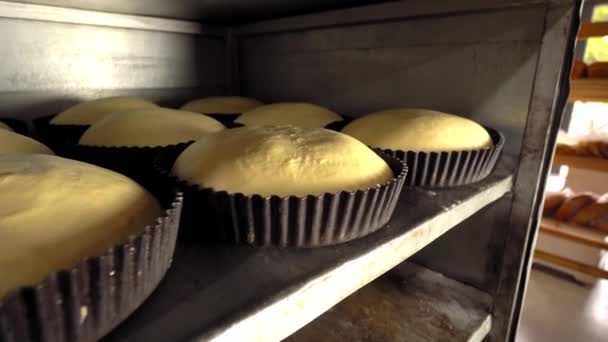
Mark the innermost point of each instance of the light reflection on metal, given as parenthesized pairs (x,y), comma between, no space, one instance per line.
(77,16)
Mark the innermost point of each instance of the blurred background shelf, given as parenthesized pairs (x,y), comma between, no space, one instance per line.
(595,29)
(579,267)
(574,232)
(591,89)
(573,249)
(581,162)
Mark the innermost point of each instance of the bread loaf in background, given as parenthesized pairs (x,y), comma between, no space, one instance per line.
(593,145)
(573,204)
(585,209)
(553,200)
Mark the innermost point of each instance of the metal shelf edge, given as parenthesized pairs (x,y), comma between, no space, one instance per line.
(13,10)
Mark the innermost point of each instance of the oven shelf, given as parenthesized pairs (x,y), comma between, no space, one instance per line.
(266,294)
(412,303)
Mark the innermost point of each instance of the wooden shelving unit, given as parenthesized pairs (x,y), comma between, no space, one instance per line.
(592,89)
(570,264)
(571,247)
(588,30)
(573,233)
(581,162)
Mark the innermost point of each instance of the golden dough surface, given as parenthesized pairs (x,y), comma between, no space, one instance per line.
(419,130)
(222,105)
(55,212)
(14,143)
(88,113)
(282,161)
(304,115)
(149,127)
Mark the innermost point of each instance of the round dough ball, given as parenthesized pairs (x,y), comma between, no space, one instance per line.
(5,126)
(13,143)
(149,127)
(88,113)
(304,115)
(222,105)
(419,130)
(55,212)
(282,161)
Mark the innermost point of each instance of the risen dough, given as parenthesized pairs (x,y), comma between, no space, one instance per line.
(419,130)
(149,127)
(87,113)
(5,126)
(13,143)
(222,105)
(298,114)
(281,160)
(55,211)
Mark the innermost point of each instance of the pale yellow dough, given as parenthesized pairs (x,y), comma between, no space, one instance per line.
(55,212)
(419,130)
(149,127)
(222,105)
(282,161)
(13,143)
(5,126)
(298,114)
(88,113)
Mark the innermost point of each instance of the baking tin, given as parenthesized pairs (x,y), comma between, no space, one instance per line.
(134,162)
(57,137)
(339,125)
(446,169)
(309,221)
(226,119)
(89,300)
(18,126)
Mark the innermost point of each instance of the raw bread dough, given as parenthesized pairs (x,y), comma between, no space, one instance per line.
(88,113)
(149,127)
(419,130)
(14,143)
(55,212)
(222,105)
(298,114)
(281,160)
(5,126)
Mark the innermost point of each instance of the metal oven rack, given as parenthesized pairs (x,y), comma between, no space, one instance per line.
(502,63)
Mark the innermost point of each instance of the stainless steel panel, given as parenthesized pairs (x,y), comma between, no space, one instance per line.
(479,65)
(222,11)
(472,251)
(15,10)
(239,11)
(57,62)
(551,87)
(393,11)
